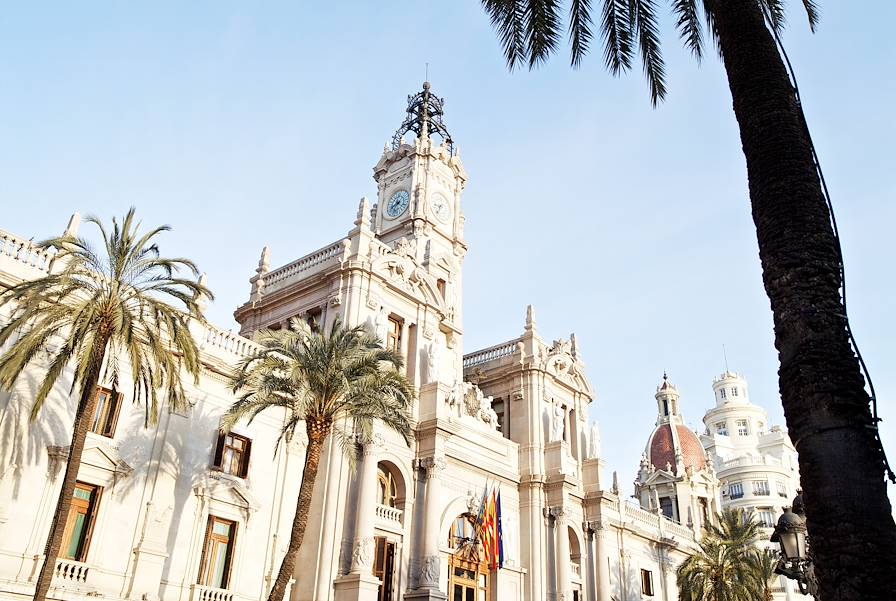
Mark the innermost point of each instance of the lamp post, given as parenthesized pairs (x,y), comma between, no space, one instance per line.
(790,533)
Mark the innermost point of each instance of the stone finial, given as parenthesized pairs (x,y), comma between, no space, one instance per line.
(363,217)
(530,318)
(201,299)
(615,489)
(573,346)
(264,263)
(74,223)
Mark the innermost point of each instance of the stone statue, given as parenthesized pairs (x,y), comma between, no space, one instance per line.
(557,423)
(594,442)
(433,359)
(429,572)
(381,325)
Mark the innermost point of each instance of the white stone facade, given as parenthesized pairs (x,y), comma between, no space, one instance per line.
(512,415)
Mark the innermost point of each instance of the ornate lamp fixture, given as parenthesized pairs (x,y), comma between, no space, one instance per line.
(795,562)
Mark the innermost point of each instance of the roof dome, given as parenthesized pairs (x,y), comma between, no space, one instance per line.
(664,444)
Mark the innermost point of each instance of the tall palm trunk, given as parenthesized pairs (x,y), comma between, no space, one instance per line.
(83,417)
(317,434)
(852,532)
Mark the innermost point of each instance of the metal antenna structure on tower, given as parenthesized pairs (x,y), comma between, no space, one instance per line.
(424,117)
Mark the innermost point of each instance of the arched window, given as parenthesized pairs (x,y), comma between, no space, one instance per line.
(386,489)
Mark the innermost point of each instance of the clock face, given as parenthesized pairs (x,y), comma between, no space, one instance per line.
(440,208)
(397,204)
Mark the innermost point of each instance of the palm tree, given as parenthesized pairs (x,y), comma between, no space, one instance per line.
(764,564)
(97,310)
(822,389)
(321,379)
(723,568)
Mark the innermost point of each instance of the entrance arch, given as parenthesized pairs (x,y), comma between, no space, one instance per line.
(468,575)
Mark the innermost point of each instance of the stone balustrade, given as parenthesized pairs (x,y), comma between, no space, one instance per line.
(575,570)
(227,341)
(490,354)
(281,275)
(388,514)
(199,592)
(69,571)
(747,461)
(24,251)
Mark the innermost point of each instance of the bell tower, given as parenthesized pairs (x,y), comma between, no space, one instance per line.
(420,179)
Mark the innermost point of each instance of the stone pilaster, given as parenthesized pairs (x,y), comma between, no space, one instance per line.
(430,562)
(561,535)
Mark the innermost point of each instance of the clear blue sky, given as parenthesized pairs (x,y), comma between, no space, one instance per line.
(243,125)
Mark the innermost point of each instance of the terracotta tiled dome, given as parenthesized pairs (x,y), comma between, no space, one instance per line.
(661,448)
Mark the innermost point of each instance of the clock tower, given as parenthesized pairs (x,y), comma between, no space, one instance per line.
(420,180)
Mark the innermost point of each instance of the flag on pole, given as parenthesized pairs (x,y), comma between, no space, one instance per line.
(500,531)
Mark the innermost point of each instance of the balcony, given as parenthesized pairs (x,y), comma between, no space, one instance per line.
(70,572)
(575,570)
(389,515)
(199,592)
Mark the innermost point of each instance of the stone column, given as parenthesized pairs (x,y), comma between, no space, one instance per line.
(360,584)
(602,561)
(430,567)
(362,548)
(561,557)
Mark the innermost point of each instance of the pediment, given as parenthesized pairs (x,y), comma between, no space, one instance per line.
(230,490)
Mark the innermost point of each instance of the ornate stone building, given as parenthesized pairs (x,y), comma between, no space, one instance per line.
(675,477)
(182,512)
(755,462)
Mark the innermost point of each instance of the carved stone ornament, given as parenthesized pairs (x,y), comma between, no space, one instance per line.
(429,572)
(362,554)
(434,466)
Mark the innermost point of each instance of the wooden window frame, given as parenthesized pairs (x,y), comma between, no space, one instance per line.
(393,334)
(647,582)
(384,567)
(91,511)
(105,416)
(389,486)
(204,570)
(245,453)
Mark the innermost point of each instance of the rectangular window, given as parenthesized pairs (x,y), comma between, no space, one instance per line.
(105,417)
(722,429)
(440,286)
(782,488)
(765,517)
(742,428)
(722,393)
(647,583)
(734,391)
(736,490)
(666,507)
(232,454)
(217,553)
(500,409)
(79,525)
(384,567)
(393,336)
(760,488)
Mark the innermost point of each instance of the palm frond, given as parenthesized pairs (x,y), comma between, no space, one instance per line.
(542,20)
(688,23)
(813,14)
(579,30)
(644,19)
(774,13)
(617,32)
(507,18)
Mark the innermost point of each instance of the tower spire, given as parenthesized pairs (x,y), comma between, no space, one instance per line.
(424,117)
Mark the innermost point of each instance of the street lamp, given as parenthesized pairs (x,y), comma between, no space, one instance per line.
(790,533)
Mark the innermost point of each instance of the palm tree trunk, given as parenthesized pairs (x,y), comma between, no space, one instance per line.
(83,417)
(851,527)
(317,434)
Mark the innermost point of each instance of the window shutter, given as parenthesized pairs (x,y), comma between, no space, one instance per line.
(219,449)
(247,455)
(112,416)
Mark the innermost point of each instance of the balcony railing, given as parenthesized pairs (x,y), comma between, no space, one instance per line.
(388,514)
(199,592)
(574,569)
(69,571)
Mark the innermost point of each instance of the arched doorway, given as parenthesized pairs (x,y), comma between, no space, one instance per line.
(468,575)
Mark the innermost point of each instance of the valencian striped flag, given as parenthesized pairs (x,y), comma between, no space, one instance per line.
(490,529)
